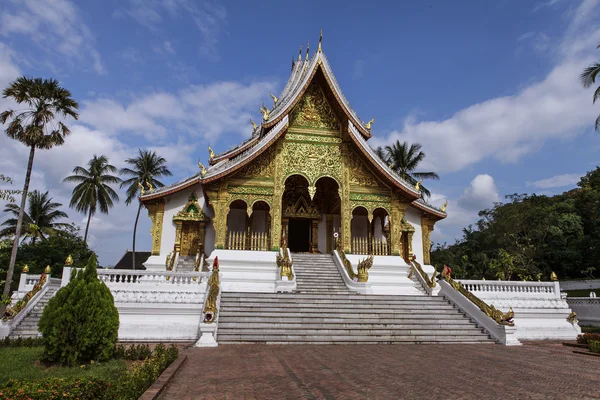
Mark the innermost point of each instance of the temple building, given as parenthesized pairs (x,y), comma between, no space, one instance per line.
(306,177)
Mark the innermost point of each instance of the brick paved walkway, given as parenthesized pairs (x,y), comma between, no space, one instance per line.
(532,371)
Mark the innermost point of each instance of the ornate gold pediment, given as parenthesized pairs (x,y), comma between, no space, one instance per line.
(191,211)
(406,227)
(301,209)
(313,110)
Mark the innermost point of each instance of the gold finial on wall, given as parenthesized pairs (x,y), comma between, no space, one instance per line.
(553,276)
(47,270)
(319,50)
(69,260)
(368,126)
(202,169)
(418,185)
(26,269)
(444,206)
(211,154)
(253,125)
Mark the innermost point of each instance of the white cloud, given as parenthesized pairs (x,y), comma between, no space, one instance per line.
(208,17)
(55,26)
(480,194)
(204,111)
(556,181)
(509,127)
(165,47)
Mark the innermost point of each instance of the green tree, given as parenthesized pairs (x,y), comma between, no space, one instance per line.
(405,159)
(93,191)
(7,194)
(36,125)
(588,78)
(80,323)
(145,168)
(40,220)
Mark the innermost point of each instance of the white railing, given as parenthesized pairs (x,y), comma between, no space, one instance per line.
(370,246)
(124,277)
(512,288)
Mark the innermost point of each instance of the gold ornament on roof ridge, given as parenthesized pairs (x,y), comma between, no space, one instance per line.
(265,112)
(307,50)
(253,125)
(274,100)
(202,168)
(368,125)
(141,187)
(300,53)
(319,50)
(149,184)
(69,260)
(418,185)
(211,153)
(444,206)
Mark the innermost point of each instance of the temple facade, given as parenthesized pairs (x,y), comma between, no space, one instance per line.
(306,179)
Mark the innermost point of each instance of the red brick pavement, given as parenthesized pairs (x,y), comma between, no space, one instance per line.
(533,371)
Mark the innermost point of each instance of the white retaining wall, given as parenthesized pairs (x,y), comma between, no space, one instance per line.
(587,309)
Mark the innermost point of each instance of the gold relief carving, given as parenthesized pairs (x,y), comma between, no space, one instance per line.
(346,211)
(251,190)
(312,161)
(221,207)
(426,228)
(396,217)
(302,137)
(156,212)
(276,224)
(313,110)
(261,167)
(359,173)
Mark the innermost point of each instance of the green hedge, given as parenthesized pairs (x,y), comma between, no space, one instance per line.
(21,342)
(130,386)
(586,337)
(51,389)
(594,346)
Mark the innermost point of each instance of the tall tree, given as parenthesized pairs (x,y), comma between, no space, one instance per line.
(41,102)
(93,191)
(588,78)
(40,220)
(405,159)
(145,168)
(7,194)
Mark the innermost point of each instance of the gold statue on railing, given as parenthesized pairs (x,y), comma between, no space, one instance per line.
(285,265)
(363,269)
(210,306)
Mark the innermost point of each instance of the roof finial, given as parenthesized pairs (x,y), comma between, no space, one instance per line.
(368,126)
(300,54)
(307,50)
(253,125)
(444,206)
(320,40)
(202,168)
(274,100)
(293,62)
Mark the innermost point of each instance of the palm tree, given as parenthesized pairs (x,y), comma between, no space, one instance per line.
(588,78)
(93,191)
(39,219)
(35,126)
(405,159)
(145,168)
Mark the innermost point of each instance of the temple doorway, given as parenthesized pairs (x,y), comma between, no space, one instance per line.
(299,235)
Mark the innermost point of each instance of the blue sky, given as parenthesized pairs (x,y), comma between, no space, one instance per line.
(490,89)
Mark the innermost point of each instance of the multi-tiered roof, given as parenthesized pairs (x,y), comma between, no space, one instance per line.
(275,122)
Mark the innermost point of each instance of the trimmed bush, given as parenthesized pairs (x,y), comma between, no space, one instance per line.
(133,352)
(141,376)
(80,323)
(586,337)
(51,389)
(594,346)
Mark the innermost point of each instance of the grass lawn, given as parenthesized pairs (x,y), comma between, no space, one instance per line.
(23,363)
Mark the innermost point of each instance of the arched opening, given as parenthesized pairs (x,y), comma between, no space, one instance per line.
(380,233)
(359,231)
(298,213)
(260,226)
(237,225)
(328,203)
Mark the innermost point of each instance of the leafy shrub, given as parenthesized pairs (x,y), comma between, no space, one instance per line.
(51,389)
(133,352)
(594,346)
(80,323)
(141,376)
(586,337)
(21,342)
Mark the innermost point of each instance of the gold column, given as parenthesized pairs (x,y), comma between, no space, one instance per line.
(202,235)
(220,220)
(276,223)
(315,236)
(426,228)
(397,213)
(156,212)
(329,232)
(346,216)
(178,225)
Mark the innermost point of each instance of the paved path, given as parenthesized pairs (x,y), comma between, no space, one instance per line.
(532,371)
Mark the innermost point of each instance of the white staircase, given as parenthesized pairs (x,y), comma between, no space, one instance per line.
(323,310)
(186,263)
(28,327)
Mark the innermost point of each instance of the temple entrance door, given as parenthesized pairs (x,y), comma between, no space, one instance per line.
(405,254)
(190,238)
(299,235)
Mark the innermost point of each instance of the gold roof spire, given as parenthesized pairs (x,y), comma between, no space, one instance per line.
(300,54)
(320,41)
(307,50)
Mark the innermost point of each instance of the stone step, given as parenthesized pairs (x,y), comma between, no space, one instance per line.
(272,313)
(408,303)
(224,338)
(349,332)
(413,319)
(238,306)
(349,295)
(223,325)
